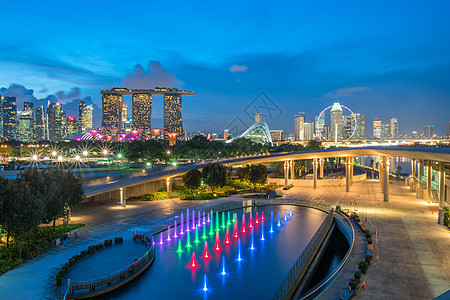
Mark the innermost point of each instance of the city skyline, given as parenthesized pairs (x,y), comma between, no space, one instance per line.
(397,67)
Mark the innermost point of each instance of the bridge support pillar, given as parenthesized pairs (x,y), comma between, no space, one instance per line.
(380,173)
(351,170)
(291,166)
(347,173)
(413,167)
(386,178)
(420,172)
(441,184)
(286,173)
(321,163)
(315,172)
(429,177)
(169,187)
(123,196)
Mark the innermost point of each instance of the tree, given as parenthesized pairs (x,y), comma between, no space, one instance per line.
(243,173)
(192,179)
(314,145)
(258,174)
(215,175)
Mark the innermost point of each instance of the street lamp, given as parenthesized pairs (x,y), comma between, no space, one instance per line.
(54,153)
(34,157)
(77,157)
(85,153)
(168,152)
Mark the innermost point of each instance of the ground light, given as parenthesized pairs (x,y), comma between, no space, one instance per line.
(205,288)
(223,265)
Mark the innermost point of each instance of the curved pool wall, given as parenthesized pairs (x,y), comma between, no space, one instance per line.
(256,276)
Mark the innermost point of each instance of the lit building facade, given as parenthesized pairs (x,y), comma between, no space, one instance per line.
(8,117)
(277,135)
(71,126)
(377,131)
(25,126)
(39,124)
(427,132)
(81,106)
(360,133)
(319,123)
(173,121)
(394,128)
(142,113)
(55,121)
(298,127)
(336,133)
(86,118)
(308,128)
(112,110)
(258,117)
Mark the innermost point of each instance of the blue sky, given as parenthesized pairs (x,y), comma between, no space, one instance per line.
(382,59)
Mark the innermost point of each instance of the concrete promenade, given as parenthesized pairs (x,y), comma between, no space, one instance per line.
(414,251)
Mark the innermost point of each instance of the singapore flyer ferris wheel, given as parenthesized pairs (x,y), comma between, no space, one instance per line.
(343,124)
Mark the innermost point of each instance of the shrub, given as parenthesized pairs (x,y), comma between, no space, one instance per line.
(357,220)
(91,249)
(118,240)
(338,207)
(369,258)
(108,243)
(357,275)
(84,253)
(99,246)
(363,266)
(72,261)
(353,283)
(369,241)
(368,235)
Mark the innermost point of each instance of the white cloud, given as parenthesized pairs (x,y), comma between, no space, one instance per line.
(236,68)
(347,92)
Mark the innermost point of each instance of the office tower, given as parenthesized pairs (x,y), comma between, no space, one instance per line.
(319,125)
(55,122)
(448,130)
(336,122)
(142,113)
(25,126)
(1,115)
(428,132)
(308,128)
(112,110)
(86,118)
(226,134)
(64,124)
(298,127)
(71,126)
(81,106)
(360,133)
(39,124)
(326,132)
(124,114)
(8,116)
(394,128)
(258,117)
(172,114)
(377,129)
(29,106)
(385,131)
(276,135)
(348,123)
(414,135)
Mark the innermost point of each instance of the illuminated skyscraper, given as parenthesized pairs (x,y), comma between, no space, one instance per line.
(360,133)
(39,125)
(377,130)
(112,110)
(308,128)
(326,132)
(86,118)
(172,114)
(428,132)
(81,106)
(385,131)
(276,134)
(71,126)
(124,115)
(347,128)
(29,106)
(55,122)
(8,117)
(336,133)
(394,128)
(298,127)
(142,113)
(258,117)
(25,126)
(319,125)
(226,134)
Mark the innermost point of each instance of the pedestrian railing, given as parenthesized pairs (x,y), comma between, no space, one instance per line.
(107,283)
(298,269)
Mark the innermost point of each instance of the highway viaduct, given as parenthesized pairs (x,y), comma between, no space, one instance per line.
(429,158)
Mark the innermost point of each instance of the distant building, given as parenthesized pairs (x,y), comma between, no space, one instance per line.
(86,118)
(377,131)
(360,133)
(124,114)
(39,124)
(298,127)
(326,132)
(448,130)
(336,132)
(172,114)
(414,135)
(81,106)
(318,124)
(55,121)
(385,133)
(309,130)
(142,113)
(8,117)
(25,126)
(71,126)
(394,128)
(29,106)
(226,134)
(348,125)
(277,135)
(112,110)
(258,117)
(428,132)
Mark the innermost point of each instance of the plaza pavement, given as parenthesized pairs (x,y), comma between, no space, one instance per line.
(414,252)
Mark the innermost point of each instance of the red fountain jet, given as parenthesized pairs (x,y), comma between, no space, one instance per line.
(257,219)
(206,254)
(243,222)
(193,262)
(227,238)
(217,247)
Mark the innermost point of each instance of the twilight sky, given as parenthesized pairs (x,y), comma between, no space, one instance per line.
(382,58)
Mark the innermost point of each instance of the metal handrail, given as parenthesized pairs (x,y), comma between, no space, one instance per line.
(300,263)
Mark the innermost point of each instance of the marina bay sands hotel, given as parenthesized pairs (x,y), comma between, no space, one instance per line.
(112,101)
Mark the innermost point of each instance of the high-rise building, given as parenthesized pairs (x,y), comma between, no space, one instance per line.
(319,123)
(360,133)
(71,126)
(414,135)
(394,128)
(258,117)
(81,106)
(348,124)
(8,117)
(25,126)
(354,124)
(29,106)
(308,128)
(142,113)
(172,114)
(39,124)
(112,110)
(385,131)
(326,132)
(276,135)
(377,131)
(226,134)
(428,132)
(124,114)
(55,122)
(86,118)
(298,127)
(336,122)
